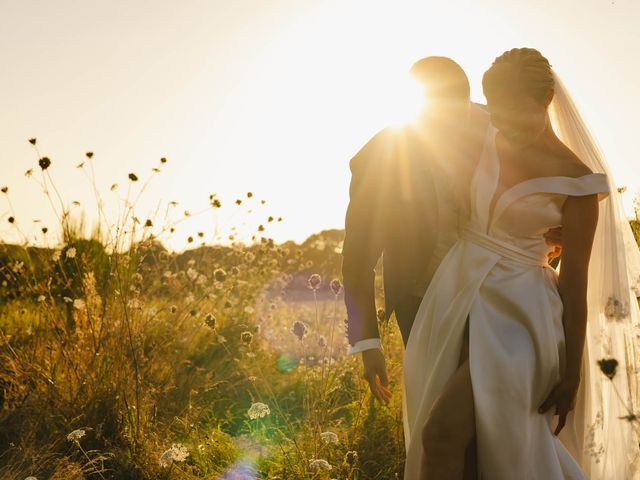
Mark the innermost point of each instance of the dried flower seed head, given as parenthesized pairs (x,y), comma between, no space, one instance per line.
(314,281)
(210,320)
(44,163)
(246,337)
(133,177)
(299,329)
(608,366)
(336,286)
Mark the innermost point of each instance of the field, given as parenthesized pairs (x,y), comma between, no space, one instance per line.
(122,360)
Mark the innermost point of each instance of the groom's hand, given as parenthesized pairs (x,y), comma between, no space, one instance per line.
(553,238)
(375,372)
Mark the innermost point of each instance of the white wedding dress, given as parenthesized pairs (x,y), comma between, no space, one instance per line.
(497,274)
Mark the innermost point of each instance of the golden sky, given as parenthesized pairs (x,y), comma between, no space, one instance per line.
(268,96)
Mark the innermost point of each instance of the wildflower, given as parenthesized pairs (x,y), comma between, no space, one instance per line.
(608,367)
(191,262)
(258,410)
(148,223)
(336,286)
(78,303)
(76,435)
(202,279)
(177,453)
(219,274)
(221,339)
(163,160)
(246,337)
(249,257)
(4,189)
(320,464)
(17,267)
(41,298)
(249,194)
(314,281)
(56,255)
(44,163)
(299,329)
(137,277)
(32,141)
(192,274)
(210,320)
(67,299)
(216,203)
(80,165)
(44,229)
(135,304)
(261,228)
(113,187)
(351,457)
(89,154)
(133,177)
(71,253)
(249,309)
(11,219)
(189,239)
(173,309)
(329,437)
(31,478)
(28,173)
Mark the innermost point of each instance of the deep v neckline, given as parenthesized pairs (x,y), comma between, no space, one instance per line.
(496,201)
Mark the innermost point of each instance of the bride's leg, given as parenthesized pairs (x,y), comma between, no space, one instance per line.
(450,427)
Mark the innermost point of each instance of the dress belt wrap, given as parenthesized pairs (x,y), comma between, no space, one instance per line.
(502,248)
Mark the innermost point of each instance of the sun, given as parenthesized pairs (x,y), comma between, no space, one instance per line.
(408,99)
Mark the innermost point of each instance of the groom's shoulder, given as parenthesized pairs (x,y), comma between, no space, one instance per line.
(378,149)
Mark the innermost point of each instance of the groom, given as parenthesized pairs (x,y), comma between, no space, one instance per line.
(407,193)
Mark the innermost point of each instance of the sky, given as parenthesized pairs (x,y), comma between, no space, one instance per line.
(271,97)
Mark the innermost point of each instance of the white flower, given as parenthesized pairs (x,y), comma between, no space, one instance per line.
(249,309)
(134,303)
(192,274)
(320,464)
(329,437)
(41,298)
(31,478)
(78,303)
(258,410)
(56,256)
(202,279)
(177,453)
(17,267)
(71,253)
(76,435)
(191,262)
(67,299)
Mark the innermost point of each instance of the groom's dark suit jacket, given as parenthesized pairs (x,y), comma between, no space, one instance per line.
(392,212)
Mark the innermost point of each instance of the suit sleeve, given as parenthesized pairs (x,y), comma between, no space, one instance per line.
(365,235)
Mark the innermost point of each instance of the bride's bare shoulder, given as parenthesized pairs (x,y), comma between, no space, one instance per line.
(568,163)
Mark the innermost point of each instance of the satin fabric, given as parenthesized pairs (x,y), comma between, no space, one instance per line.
(497,274)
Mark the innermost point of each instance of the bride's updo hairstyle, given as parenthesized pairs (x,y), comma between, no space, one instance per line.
(519,87)
(523,71)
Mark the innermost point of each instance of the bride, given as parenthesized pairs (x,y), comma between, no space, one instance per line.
(504,350)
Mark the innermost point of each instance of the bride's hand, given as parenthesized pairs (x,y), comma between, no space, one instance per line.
(563,396)
(375,372)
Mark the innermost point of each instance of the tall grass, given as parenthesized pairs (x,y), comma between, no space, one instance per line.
(122,360)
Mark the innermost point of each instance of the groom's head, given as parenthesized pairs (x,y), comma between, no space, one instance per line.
(445,84)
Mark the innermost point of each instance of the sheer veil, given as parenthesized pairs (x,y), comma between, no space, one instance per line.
(602,431)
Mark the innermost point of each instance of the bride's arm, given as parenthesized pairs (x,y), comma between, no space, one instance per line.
(579,220)
(580,217)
